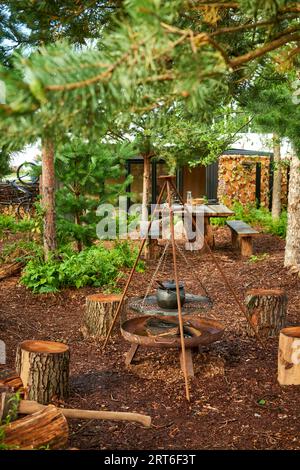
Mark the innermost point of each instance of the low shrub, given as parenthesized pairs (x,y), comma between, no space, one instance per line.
(11,224)
(256,216)
(21,251)
(94,266)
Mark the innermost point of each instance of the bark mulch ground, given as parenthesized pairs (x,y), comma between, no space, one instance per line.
(232,376)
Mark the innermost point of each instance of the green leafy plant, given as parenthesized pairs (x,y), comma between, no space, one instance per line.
(14,401)
(256,258)
(262,402)
(94,266)
(21,251)
(260,217)
(10,224)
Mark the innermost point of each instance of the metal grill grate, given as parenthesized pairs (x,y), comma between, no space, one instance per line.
(148,305)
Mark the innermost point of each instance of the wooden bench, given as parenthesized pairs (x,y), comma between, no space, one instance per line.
(241,236)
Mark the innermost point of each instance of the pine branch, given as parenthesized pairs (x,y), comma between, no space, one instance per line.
(97,78)
(261,51)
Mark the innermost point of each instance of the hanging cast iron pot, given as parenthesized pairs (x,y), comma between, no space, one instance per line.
(166,294)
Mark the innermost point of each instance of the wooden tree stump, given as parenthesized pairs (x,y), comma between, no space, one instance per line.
(44,429)
(267,311)
(99,313)
(289,356)
(44,369)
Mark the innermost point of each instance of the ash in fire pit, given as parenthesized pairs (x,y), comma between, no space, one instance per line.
(161,327)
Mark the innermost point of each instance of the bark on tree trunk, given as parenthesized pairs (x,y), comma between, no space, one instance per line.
(292,247)
(267,311)
(47,428)
(289,356)
(44,369)
(78,242)
(145,200)
(276,193)
(99,313)
(48,196)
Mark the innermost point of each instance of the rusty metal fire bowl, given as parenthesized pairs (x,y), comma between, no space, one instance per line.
(206,330)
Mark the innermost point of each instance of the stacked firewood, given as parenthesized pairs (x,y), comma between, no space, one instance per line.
(10,195)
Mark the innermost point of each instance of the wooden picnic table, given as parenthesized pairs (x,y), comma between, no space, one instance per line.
(213,210)
(209,211)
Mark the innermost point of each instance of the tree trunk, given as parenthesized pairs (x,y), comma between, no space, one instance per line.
(77,216)
(267,311)
(48,196)
(292,247)
(145,200)
(78,242)
(44,429)
(44,369)
(289,356)
(276,193)
(99,313)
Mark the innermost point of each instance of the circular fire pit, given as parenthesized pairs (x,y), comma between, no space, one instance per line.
(199,331)
(163,332)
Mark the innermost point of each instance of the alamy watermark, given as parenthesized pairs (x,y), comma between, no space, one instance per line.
(134,222)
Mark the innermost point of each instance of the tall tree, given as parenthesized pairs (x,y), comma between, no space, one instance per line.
(89,174)
(292,249)
(270,99)
(29,26)
(4,163)
(276,190)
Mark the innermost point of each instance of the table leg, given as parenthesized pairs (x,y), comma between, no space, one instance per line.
(131,353)
(195,243)
(189,362)
(208,232)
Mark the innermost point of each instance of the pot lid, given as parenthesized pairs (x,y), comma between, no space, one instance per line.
(170,284)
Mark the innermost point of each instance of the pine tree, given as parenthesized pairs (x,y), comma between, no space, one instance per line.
(270,99)
(26,27)
(89,174)
(4,163)
(32,23)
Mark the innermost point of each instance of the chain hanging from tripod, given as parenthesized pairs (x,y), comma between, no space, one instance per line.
(180,251)
(162,257)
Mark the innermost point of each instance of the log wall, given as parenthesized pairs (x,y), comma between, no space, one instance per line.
(237,180)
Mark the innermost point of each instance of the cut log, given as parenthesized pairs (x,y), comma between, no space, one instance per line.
(47,428)
(44,369)
(10,380)
(99,313)
(289,356)
(267,311)
(11,269)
